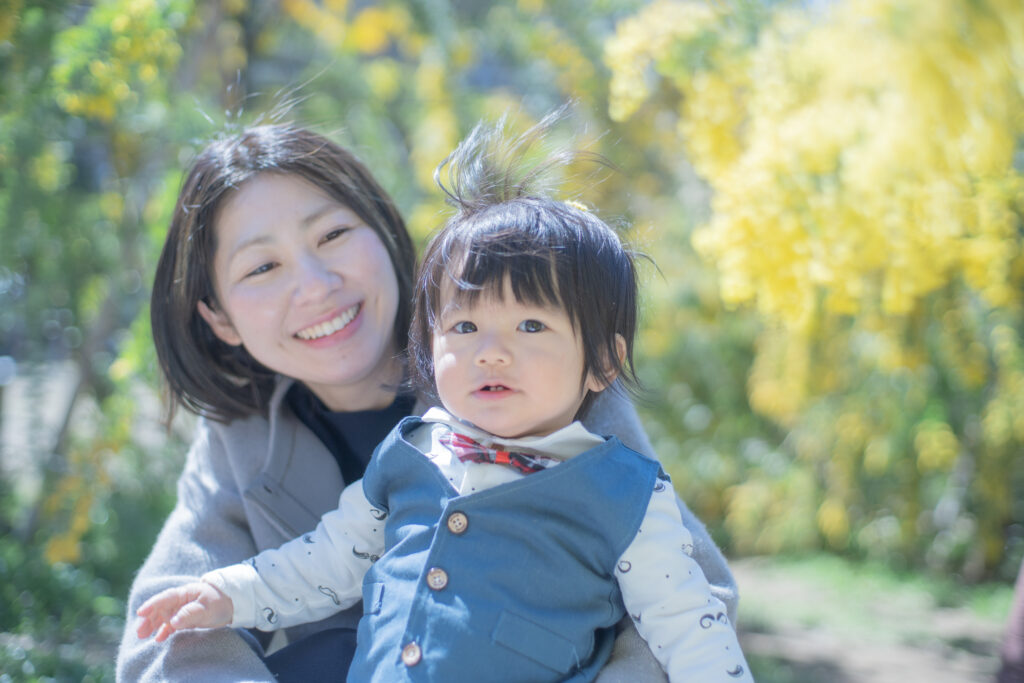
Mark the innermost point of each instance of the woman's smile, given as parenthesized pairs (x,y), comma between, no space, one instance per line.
(330,327)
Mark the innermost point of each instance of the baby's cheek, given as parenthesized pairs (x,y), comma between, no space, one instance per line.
(444,361)
(445,374)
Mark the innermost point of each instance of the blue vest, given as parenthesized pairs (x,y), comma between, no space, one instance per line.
(527,589)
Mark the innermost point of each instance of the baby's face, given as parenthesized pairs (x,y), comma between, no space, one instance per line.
(510,368)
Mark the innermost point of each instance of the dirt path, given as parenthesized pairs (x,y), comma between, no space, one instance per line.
(834,625)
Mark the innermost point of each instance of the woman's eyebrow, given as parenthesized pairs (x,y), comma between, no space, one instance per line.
(324,210)
(245,244)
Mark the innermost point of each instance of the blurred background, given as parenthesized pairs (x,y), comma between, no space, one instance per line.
(832,193)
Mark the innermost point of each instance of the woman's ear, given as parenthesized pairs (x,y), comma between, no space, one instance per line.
(220,324)
(595,383)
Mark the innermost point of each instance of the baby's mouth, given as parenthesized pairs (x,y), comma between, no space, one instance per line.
(329,327)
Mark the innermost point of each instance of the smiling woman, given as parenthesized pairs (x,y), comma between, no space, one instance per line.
(269,219)
(308,289)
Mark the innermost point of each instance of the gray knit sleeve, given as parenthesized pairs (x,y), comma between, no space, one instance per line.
(205,530)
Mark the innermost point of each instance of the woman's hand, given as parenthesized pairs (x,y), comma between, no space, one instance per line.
(194,605)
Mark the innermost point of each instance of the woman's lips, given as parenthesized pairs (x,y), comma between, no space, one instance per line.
(329,327)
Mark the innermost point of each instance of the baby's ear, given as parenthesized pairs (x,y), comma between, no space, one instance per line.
(596,383)
(219,323)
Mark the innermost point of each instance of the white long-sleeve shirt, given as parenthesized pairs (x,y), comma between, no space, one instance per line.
(663,588)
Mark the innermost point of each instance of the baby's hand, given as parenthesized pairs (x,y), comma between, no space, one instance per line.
(194,605)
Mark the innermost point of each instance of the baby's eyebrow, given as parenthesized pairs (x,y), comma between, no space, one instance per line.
(448,311)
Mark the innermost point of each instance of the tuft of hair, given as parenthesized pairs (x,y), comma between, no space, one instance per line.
(490,166)
(507,231)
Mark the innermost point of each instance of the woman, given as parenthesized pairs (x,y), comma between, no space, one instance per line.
(280,313)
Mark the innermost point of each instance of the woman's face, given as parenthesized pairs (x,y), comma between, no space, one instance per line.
(309,289)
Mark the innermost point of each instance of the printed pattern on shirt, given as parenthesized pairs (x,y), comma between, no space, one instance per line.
(659,563)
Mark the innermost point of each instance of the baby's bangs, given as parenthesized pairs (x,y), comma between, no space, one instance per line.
(483,272)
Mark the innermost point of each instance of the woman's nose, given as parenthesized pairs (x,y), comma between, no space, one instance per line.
(492,350)
(315,281)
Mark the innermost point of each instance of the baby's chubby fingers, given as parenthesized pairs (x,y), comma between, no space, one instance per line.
(194,605)
(146,627)
(158,610)
(209,609)
(149,626)
(164,633)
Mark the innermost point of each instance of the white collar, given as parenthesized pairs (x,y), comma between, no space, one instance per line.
(564,443)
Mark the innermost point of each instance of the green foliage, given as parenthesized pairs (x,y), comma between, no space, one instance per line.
(62,621)
(871,212)
(53,605)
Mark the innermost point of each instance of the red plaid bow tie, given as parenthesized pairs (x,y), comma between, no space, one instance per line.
(466,448)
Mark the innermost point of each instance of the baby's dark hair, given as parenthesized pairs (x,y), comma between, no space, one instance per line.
(507,229)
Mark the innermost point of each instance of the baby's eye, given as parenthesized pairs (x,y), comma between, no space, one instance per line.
(333,234)
(531,326)
(464,327)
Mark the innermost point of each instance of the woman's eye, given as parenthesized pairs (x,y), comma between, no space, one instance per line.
(333,235)
(464,327)
(531,326)
(259,270)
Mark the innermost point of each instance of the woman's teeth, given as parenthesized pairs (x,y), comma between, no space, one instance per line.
(329,327)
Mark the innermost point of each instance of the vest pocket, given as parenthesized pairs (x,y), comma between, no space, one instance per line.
(373,596)
(535,642)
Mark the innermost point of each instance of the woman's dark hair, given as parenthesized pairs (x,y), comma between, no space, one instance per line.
(506,228)
(204,374)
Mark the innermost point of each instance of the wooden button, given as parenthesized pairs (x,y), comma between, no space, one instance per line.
(437,578)
(458,523)
(411,654)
